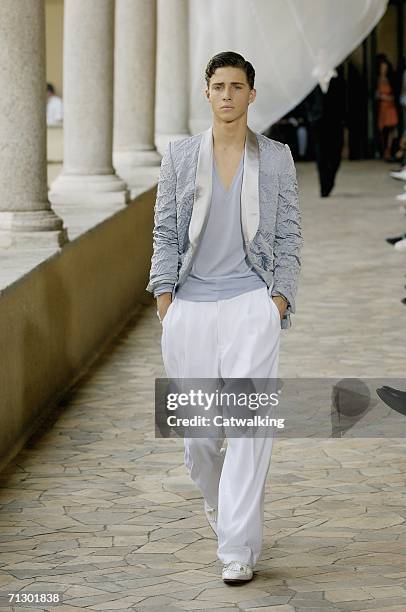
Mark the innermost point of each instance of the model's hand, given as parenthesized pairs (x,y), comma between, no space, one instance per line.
(281,304)
(163,302)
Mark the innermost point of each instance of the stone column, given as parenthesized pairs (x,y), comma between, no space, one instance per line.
(134,103)
(88,176)
(172,83)
(26,217)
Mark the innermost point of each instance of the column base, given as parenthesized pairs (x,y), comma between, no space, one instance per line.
(139,169)
(135,158)
(31,229)
(88,189)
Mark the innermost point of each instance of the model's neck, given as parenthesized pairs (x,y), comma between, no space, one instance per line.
(229,135)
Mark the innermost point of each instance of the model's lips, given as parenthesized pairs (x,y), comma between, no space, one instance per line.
(226,107)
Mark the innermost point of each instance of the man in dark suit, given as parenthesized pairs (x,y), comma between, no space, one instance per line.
(325,115)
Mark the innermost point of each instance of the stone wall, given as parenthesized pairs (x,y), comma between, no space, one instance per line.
(55,319)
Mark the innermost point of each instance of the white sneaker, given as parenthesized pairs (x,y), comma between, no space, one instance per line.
(236,572)
(399,175)
(400,245)
(211,514)
(401,197)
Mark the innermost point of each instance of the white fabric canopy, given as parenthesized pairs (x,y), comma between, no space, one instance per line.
(292,44)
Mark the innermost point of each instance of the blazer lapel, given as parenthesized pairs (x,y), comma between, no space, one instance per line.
(204,186)
(250,188)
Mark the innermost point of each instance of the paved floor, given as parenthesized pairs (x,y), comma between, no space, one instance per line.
(98,509)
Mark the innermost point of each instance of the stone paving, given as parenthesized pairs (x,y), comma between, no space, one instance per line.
(99,510)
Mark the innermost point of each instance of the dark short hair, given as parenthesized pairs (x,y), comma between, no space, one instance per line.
(230,58)
(50,88)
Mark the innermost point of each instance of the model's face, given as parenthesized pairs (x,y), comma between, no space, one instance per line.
(383,69)
(229,93)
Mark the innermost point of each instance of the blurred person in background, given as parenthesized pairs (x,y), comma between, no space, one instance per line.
(291,129)
(54,108)
(402,97)
(387,114)
(325,114)
(401,152)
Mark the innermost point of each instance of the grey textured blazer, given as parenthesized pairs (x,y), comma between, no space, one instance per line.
(270,215)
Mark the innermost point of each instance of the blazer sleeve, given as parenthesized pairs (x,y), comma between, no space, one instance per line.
(288,235)
(164,263)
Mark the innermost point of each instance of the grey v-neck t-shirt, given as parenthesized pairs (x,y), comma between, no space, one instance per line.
(220,270)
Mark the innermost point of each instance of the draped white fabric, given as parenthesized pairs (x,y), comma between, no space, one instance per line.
(292,44)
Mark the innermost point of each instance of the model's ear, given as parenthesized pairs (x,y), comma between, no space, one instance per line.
(253,94)
(207,92)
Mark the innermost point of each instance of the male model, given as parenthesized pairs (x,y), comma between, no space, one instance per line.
(224,270)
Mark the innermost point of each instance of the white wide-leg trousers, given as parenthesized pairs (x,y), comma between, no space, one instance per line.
(233,338)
